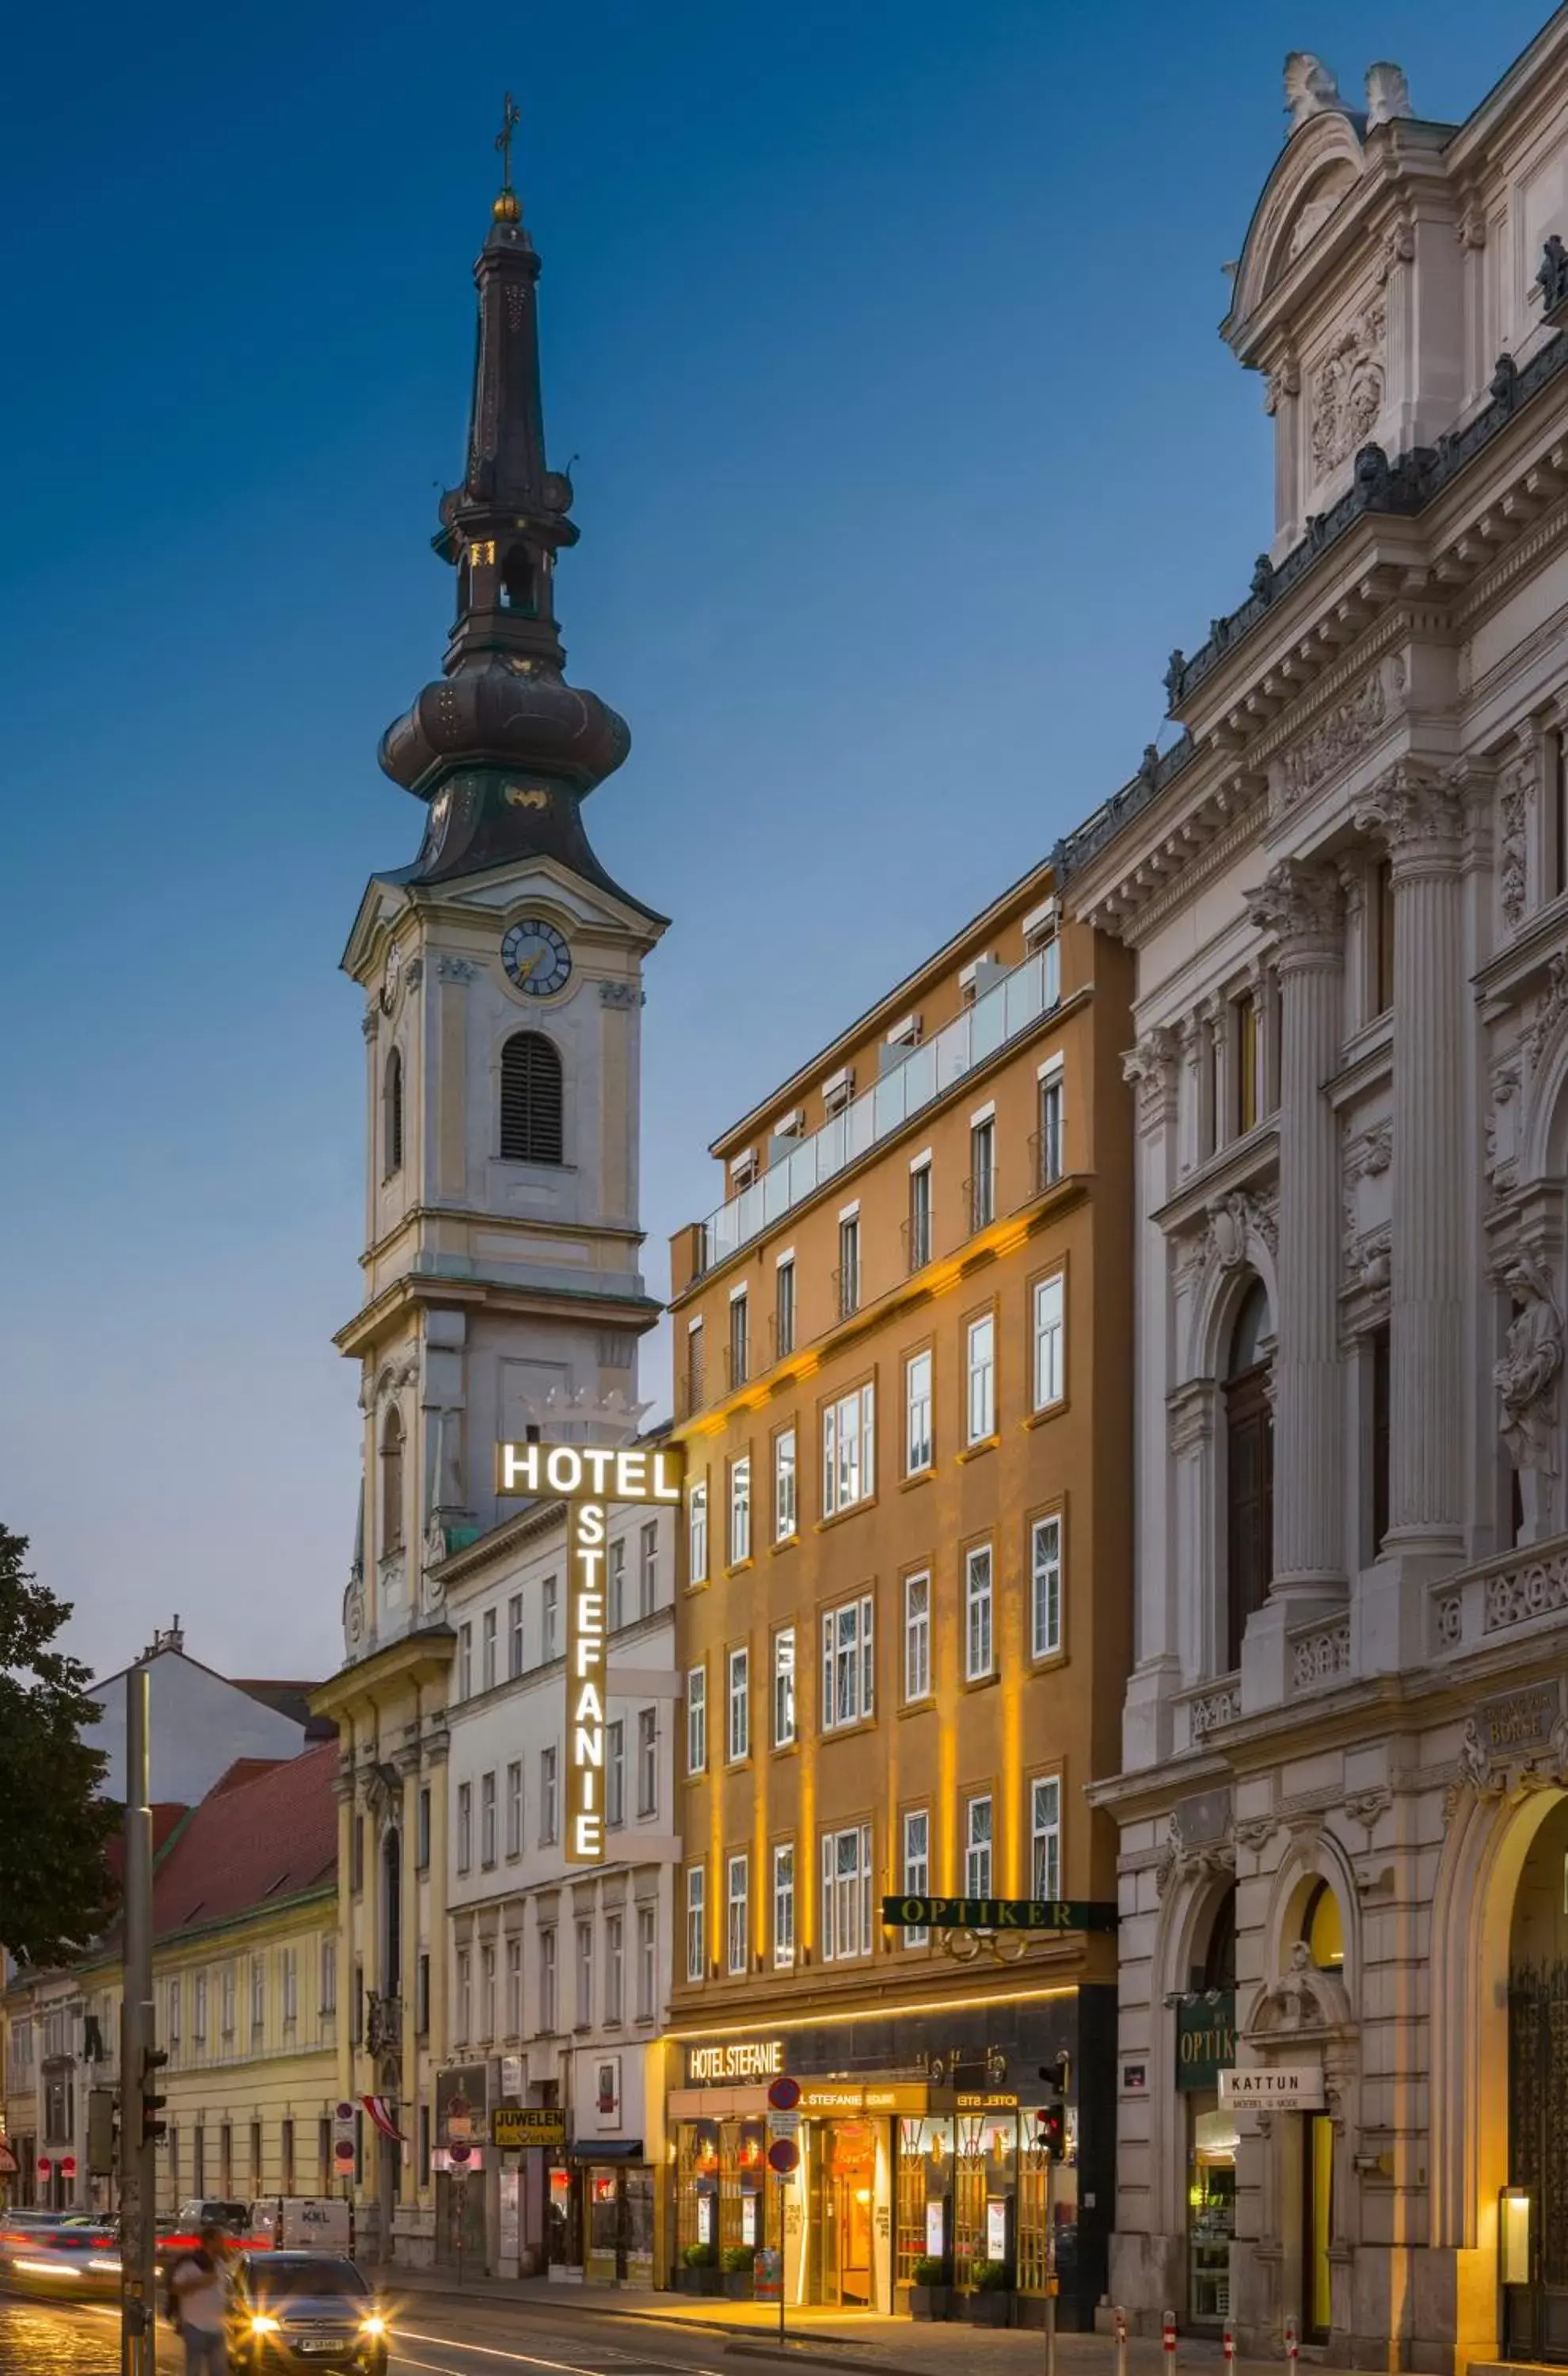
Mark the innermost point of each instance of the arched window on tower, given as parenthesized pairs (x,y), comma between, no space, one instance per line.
(393,1111)
(531,1099)
(392,1482)
(520,582)
(1249,1471)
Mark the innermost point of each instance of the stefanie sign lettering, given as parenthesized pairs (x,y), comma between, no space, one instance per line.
(590,1477)
(741,2058)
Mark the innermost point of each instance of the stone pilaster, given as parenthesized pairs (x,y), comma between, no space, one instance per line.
(1299,905)
(1421,819)
(1151,1066)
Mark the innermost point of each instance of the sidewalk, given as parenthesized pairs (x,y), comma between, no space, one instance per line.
(829,2338)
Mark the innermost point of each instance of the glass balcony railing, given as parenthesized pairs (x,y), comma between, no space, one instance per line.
(1004,1012)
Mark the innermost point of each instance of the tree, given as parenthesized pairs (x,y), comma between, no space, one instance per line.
(56,1890)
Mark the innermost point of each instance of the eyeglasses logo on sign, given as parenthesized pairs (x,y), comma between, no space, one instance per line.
(590,1477)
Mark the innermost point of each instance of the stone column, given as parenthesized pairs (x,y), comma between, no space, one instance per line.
(1419,819)
(1300,906)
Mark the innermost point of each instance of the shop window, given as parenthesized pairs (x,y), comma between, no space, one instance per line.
(1249,1472)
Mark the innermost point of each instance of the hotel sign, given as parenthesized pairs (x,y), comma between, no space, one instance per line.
(999,1913)
(741,2058)
(590,1477)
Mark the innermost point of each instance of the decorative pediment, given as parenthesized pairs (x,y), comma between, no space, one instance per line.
(1305,2004)
(1322,165)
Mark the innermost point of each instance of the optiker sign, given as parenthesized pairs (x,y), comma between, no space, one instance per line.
(589,1478)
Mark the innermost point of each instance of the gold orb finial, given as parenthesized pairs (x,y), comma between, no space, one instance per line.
(506,209)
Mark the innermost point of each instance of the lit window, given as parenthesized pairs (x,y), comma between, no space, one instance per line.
(785,1508)
(740,1511)
(1051,1340)
(848,1653)
(845,1894)
(1045,1588)
(696,1913)
(917,1413)
(977,1848)
(696,1720)
(916,1868)
(977,1641)
(784,1906)
(784,1687)
(737,1915)
(1045,1836)
(738,1721)
(980,1410)
(697,1533)
(849,1462)
(917,1637)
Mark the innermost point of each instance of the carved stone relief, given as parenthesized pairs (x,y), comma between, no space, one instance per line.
(1338,738)
(1516,786)
(1347,390)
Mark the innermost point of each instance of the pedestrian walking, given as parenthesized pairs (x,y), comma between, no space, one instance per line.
(198,2287)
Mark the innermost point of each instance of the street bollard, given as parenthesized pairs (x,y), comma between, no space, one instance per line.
(1292,2345)
(1229,2345)
(1167,2339)
(1119,2316)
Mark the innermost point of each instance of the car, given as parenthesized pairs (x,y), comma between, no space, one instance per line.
(304,2310)
(59,2252)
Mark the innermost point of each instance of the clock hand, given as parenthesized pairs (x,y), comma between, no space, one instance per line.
(528,964)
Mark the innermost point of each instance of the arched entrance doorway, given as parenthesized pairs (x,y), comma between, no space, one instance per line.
(1533,2225)
(1206,2046)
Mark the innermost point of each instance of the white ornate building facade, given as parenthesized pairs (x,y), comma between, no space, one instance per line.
(1343,2085)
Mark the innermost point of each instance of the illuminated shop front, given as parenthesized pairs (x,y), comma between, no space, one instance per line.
(903,2165)
(1206,2045)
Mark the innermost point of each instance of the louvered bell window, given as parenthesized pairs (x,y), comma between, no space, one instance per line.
(531,1099)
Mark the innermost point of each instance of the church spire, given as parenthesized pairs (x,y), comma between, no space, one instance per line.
(501,747)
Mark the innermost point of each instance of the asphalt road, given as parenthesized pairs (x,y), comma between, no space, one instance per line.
(438,2338)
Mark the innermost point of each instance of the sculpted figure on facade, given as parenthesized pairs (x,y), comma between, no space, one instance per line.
(1334,741)
(1388,94)
(1526,1380)
(1513,812)
(1310,88)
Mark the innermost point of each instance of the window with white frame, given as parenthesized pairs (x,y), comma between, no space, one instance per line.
(696,1532)
(547,1978)
(1045,1587)
(487,1819)
(1045,1835)
(1053,1154)
(466,1661)
(784,1687)
(329,1986)
(647,1962)
(487,1651)
(917,1637)
(918,1446)
(615,1587)
(614,1968)
(513,1986)
(916,1866)
(198,2009)
(515,1634)
(648,1569)
(740,1510)
(615,1774)
(226,2013)
(465,1995)
(465,1826)
(737,1917)
(551,1602)
(980,1409)
(849,1663)
(919,1224)
(1051,1340)
(487,1992)
(979,1642)
(648,1761)
(584,1975)
(785,1506)
(783,1905)
(845,1894)
(849,1265)
(977,1848)
(740,1338)
(258,1997)
(515,1807)
(848,1452)
(784,1309)
(982,1172)
(738,1707)
(549,1797)
(696,1720)
(696,1918)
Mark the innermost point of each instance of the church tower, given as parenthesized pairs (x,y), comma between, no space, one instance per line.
(503,980)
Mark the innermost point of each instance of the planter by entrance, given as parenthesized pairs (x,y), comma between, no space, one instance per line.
(990,2308)
(930,2301)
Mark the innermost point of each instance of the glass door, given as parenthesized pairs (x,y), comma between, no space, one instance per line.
(1317,2194)
(1211,2209)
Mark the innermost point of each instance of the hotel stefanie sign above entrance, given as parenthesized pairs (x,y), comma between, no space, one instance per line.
(589,1478)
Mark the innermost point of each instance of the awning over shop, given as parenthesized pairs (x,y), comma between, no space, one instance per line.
(605,2149)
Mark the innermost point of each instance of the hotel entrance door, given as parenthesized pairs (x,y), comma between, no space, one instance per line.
(847,2178)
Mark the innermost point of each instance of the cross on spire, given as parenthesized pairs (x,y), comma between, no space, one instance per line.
(511,117)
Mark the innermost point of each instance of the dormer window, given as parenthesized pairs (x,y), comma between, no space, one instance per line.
(837,1089)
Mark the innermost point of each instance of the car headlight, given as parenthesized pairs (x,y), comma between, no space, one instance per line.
(262,2322)
(374,2325)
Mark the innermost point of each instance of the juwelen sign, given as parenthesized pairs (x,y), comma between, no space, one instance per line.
(589,1478)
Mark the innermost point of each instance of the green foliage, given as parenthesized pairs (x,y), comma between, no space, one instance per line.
(738,2260)
(929,2271)
(992,2278)
(702,2256)
(56,1892)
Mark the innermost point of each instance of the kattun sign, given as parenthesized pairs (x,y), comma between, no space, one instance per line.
(589,1478)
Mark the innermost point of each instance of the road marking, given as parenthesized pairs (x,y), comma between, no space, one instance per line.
(532,2360)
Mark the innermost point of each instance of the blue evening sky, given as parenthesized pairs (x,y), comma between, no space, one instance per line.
(885,333)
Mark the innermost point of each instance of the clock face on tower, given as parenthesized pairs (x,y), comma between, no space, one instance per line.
(536,956)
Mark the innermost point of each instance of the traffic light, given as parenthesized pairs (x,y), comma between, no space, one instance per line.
(1051,2133)
(1056,2075)
(101,2120)
(153,2130)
